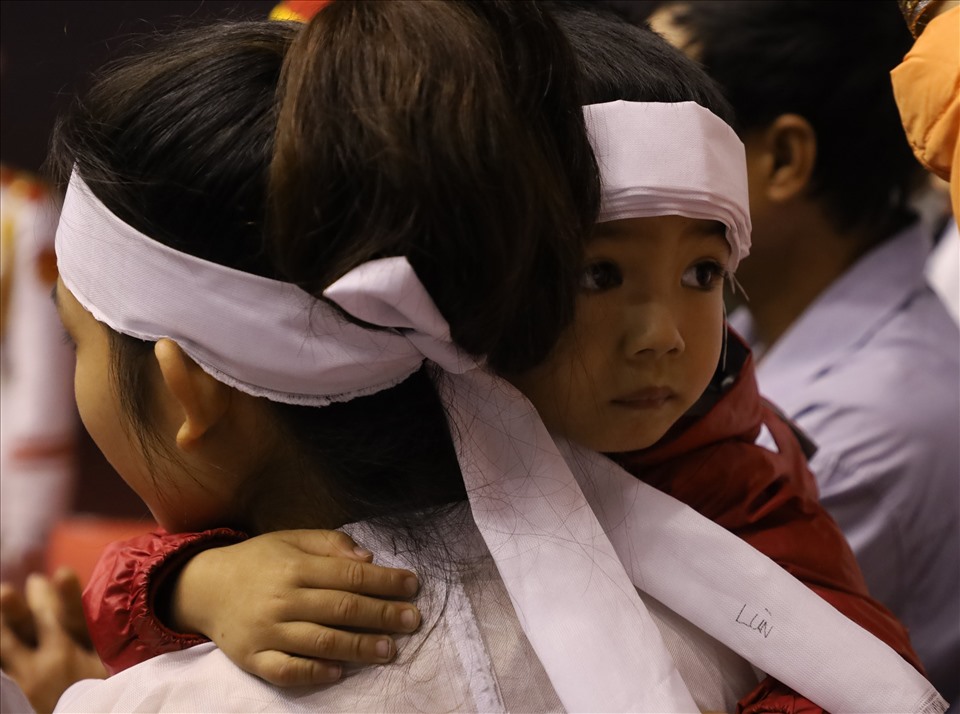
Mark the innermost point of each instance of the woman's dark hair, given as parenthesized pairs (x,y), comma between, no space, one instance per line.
(401,133)
(447,132)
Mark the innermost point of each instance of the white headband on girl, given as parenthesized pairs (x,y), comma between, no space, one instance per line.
(558,551)
(661,159)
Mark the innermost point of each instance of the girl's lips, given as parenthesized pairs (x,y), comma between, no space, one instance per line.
(649,398)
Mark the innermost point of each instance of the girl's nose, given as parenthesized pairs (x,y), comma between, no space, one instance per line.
(652,330)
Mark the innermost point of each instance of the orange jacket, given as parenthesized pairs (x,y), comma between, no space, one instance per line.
(927,89)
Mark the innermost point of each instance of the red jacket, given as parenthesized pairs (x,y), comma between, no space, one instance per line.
(120,599)
(768,498)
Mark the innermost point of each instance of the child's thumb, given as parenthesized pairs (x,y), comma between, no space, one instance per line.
(329,543)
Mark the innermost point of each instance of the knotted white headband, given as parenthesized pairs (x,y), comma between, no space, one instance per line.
(264,337)
(570,562)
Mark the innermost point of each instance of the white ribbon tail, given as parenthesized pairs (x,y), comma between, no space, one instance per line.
(584,619)
(745,600)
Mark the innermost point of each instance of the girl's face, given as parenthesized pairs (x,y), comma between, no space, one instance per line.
(180,498)
(646,337)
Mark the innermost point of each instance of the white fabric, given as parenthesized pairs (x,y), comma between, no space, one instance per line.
(721,584)
(568,584)
(555,558)
(707,180)
(469,656)
(304,353)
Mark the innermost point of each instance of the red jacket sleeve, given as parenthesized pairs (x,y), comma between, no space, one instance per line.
(120,600)
(775,697)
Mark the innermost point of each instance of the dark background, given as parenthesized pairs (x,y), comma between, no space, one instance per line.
(49,50)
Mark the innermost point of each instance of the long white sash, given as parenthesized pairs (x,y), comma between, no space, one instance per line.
(745,600)
(592,633)
(570,558)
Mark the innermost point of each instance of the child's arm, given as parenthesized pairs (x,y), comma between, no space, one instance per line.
(147,592)
(306,586)
(118,599)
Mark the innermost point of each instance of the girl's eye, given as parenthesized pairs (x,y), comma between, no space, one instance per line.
(705,275)
(600,276)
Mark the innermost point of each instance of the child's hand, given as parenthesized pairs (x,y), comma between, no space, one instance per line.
(276,604)
(44,644)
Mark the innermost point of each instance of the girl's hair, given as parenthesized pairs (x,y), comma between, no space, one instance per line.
(622,61)
(447,132)
(619,60)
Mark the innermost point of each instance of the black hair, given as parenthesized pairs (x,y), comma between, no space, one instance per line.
(828,62)
(481,174)
(620,60)
(175,139)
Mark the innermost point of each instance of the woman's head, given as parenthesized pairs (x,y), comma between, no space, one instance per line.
(177,142)
(402,133)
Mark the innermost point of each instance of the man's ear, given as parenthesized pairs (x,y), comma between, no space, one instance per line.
(784,155)
(202,399)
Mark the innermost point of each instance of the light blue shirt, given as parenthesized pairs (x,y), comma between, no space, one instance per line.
(871,371)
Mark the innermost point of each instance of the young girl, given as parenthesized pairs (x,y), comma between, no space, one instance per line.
(477,652)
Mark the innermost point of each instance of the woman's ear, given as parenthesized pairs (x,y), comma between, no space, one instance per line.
(785,153)
(202,399)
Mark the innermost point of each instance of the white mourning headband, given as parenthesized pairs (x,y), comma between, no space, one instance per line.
(271,339)
(264,337)
(660,159)
(573,537)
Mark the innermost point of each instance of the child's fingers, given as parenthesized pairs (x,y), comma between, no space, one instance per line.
(285,670)
(315,641)
(16,615)
(71,616)
(336,608)
(359,577)
(330,543)
(44,603)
